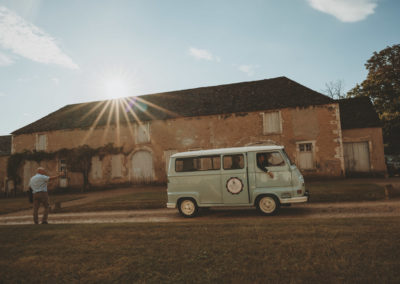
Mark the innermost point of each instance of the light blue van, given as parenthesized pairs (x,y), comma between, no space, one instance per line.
(261,176)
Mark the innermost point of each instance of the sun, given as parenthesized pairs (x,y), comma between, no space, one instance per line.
(114,82)
(117,87)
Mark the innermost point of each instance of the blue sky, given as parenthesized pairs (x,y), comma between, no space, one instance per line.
(54,53)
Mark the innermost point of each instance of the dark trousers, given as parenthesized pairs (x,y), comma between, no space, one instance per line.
(40,198)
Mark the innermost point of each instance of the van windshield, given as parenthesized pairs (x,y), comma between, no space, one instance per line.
(269,159)
(287,156)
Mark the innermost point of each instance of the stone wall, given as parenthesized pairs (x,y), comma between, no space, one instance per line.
(319,124)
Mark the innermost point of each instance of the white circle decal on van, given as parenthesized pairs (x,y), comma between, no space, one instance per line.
(234,185)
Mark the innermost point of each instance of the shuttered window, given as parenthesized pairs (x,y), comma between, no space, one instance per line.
(97,168)
(272,122)
(41,142)
(116,166)
(143,133)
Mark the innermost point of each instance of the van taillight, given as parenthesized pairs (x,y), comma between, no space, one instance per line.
(299,191)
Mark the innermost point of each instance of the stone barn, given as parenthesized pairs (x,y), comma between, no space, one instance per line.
(145,131)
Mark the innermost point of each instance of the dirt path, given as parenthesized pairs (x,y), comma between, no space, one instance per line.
(310,210)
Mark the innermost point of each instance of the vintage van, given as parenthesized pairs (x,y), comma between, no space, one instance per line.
(261,176)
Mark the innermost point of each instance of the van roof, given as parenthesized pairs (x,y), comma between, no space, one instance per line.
(227,151)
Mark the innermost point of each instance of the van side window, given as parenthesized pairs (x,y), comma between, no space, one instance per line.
(269,159)
(232,162)
(193,164)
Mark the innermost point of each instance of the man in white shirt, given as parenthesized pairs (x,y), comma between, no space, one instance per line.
(38,183)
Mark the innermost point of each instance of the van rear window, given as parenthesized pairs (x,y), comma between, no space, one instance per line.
(193,164)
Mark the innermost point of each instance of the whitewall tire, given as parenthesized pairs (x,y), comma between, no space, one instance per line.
(268,205)
(188,207)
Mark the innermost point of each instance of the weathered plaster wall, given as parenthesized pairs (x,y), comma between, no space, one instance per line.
(375,142)
(320,124)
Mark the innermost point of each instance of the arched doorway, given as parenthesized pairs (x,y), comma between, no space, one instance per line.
(142,168)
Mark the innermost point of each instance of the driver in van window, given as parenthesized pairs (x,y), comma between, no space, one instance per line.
(262,163)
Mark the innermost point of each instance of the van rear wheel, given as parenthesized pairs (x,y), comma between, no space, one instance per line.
(188,208)
(268,205)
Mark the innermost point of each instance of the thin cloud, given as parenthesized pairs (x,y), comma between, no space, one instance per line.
(345,10)
(29,41)
(203,54)
(55,80)
(5,60)
(248,69)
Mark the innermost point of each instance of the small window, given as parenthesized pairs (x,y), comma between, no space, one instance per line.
(233,162)
(41,142)
(269,159)
(272,122)
(63,168)
(305,147)
(193,164)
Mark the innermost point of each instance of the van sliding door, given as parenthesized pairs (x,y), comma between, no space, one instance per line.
(234,179)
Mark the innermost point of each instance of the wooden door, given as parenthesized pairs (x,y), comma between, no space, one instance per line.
(142,168)
(356,157)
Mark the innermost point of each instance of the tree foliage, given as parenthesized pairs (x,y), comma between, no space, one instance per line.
(382,86)
(78,160)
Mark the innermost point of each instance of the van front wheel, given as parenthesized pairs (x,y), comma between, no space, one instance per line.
(268,205)
(188,208)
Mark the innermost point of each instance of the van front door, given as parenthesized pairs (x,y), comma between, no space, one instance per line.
(272,171)
(234,179)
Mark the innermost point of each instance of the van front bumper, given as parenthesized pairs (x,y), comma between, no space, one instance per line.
(295,199)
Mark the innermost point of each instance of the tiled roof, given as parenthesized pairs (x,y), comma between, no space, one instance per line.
(5,145)
(260,95)
(358,113)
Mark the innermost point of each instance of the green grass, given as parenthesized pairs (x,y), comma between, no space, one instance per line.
(261,250)
(137,200)
(14,204)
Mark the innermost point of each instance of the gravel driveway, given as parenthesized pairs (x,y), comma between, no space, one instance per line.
(309,210)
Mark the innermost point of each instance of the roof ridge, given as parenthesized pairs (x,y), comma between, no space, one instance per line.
(189,89)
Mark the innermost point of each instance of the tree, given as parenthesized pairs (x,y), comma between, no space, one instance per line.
(382,86)
(335,90)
